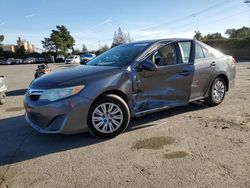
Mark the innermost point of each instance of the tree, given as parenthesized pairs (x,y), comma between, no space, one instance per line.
(77,51)
(103,49)
(115,40)
(231,33)
(198,35)
(1,51)
(84,49)
(213,36)
(243,32)
(1,38)
(60,39)
(49,45)
(127,37)
(21,51)
(119,38)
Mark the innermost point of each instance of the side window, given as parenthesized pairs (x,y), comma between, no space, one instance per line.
(185,48)
(164,56)
(199,52)
(207,53)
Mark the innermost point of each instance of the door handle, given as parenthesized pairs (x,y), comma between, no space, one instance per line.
(213,64)
(184,72)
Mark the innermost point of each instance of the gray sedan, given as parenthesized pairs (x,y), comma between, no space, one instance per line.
(127,81)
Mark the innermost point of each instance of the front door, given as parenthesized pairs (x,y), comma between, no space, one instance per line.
(169,85)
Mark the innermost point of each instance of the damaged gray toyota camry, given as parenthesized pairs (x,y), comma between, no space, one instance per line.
(127,81)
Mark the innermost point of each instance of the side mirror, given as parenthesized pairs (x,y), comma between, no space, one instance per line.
(148,65)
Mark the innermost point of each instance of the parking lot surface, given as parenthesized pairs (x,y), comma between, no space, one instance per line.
(192,146)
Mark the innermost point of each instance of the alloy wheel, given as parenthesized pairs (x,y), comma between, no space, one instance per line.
(218,91)
(107,117)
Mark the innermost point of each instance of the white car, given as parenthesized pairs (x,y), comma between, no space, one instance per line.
(72,59)
(87,57)
(29,60)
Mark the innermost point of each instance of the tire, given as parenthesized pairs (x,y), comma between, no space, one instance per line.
(104,124)
(2,98)
(38,75)
(217,92)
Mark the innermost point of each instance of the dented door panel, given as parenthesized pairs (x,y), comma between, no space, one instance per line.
(167,87)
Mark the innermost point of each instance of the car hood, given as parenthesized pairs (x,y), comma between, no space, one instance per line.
(79,75)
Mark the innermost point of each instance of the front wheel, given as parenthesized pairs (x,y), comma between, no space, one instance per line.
(108,116)
(216,93)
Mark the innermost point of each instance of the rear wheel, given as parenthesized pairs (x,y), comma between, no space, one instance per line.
(108,116)
(216,93)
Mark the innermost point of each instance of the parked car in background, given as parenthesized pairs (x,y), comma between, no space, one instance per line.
(10,61)
(49,59)
(2,61)
(129,80)
(86,58)
(60,58)
(29,60)
(72,59)
(19,61)
(40,60)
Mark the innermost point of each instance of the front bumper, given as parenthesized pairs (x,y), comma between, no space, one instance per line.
(65,116)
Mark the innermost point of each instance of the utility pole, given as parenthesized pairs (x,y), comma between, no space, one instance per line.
(248,3)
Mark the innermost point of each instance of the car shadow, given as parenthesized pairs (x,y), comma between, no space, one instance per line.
(17,92)
(19,142)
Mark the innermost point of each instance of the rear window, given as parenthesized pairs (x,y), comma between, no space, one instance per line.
(211,52)
(207,53)
(199,54)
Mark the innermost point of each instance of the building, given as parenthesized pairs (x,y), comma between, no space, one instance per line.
(30,48)
(9,47)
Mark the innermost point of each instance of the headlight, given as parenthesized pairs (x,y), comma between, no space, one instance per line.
(60,93)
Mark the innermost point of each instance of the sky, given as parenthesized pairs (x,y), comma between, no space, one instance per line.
(93,22)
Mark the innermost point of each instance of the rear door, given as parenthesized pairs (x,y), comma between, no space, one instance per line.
(205,67)
(169,85)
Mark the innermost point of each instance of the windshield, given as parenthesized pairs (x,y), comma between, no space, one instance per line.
(70,57)
(119,56)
